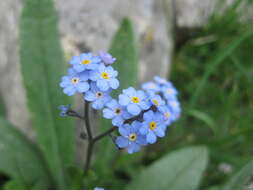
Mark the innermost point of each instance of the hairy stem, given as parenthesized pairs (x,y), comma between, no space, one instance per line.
(90,138)
(108,132)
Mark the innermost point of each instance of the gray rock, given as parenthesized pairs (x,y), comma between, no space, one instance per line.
(91,25)
(11,86)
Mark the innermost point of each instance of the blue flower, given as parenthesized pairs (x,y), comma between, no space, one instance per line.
(153,126)
(64,109)
(157,100)
(85,61)
(75,82)
(174,106)
(168,116)
(135,101)
(116,112)
(105,77)
(130,137)
(169,92)
(151,86)
(97,97)
(106,58)
(161,81)
(98,188)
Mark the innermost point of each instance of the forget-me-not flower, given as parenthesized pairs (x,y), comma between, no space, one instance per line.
(169,92)
(85,61)
(98,188)
(64,109)
(153,126)
(130,137)
(168,116)
(157,100)
(116,112)
(105,77)
(75,82)
(134,100)
(151,86)
(106,58)
(97,97)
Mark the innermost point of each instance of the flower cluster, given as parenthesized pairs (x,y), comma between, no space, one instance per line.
(140,116)
(93,77)
(143,115)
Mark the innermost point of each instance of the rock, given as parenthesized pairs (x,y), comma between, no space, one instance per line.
(91,25)
(11,86)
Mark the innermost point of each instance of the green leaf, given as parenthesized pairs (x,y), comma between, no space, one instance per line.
(15,185)
(42,67)
(123,47)
(2,107)
(180,170)
(20,159)
(239,180)
(218,59)
(202,116)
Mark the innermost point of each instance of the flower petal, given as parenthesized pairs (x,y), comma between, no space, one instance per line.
(122,142)
(133,109)
(151,137)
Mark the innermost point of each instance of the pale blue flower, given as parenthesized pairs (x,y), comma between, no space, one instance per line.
(169,92)
(85,61)
(105,77)
(75,82)
(116,112)
(135,101)
(175,108)
(153,126)
(168,116)
(64,109)
(130,137)
(106,58)
(162,81)
(151,86)
(156,100)
(99,188)
(97,97)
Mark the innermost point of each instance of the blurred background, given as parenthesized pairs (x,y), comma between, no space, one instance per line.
(203,46)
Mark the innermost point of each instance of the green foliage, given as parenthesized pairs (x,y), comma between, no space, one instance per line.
(15,185)
(239,180)
(180,170)
(2,107)
(214,71)
(123,47)
(19,158)
(42,67)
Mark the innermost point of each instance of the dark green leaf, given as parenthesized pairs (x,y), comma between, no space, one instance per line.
(15,185)
(19,158)
(239,180)
(42,67)
(123,47)
(180,170)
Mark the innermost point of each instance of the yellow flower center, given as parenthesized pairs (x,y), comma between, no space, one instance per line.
(169,91)
(99,94)
(132,137)
(86,62)
(152,125)
(155,102)
(167,115)
(118,111)
(105,75)
(75,80)
(135,99)
(173,104)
